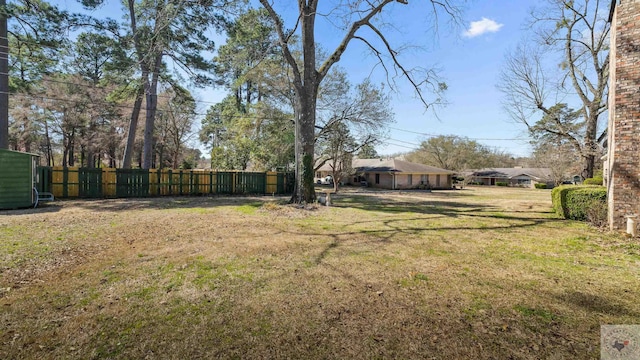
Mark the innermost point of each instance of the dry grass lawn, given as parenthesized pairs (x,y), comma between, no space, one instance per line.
(482,273)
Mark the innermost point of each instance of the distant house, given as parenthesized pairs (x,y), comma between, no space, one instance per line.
(394,174)
(519,177)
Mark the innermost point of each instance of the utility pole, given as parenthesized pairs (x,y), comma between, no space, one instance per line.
(4,78)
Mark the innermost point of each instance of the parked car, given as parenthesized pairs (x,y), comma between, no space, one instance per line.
(327,180)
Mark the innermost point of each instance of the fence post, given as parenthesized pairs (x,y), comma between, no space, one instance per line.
(65,182)
(191,184)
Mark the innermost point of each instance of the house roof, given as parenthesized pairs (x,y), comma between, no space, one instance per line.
(395,165)
(391,165)
(509,173)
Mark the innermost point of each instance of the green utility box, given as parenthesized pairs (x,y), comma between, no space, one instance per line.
(18,176)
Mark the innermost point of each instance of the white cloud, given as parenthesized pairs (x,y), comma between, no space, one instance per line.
(481,27)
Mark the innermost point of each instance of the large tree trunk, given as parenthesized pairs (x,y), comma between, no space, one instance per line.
(151,91)
(133,126)
(49,151)
(306,138)
(590,144)
(588,164)
(307,97)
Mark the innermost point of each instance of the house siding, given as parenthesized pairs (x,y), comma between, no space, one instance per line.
(386,180)
(402,181)
(623,163)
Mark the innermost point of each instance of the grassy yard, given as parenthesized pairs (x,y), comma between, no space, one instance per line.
(481,273)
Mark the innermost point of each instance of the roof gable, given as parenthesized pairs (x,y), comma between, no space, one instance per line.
(395,165)
(509,173)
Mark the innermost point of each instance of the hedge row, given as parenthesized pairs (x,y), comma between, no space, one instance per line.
(579,202)
(596,180)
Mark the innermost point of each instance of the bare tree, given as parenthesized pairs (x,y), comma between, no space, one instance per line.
(457,153)
(577,31)
(560,158)
(359,16)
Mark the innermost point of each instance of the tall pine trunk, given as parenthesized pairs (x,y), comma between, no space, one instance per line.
(151,91)
(133,126)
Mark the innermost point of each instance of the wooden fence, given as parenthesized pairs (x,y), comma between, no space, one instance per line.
(71,182)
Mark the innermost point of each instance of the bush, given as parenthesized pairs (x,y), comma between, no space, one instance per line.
(540,186)
(558,198)
(500,183)
(597,214)
(580,202)
(596,180)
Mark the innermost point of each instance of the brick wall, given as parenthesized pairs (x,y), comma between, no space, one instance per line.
(623,164)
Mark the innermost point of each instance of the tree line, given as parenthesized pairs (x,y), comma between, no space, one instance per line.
(80,85)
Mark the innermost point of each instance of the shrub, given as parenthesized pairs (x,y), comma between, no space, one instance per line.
(580,202)
(500,183)
(597,214)
(596,180)
(540,186)
(558,198)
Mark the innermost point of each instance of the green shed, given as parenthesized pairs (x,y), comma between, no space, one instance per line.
(18,176)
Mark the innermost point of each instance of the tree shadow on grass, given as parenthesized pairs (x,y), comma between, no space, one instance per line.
(595,303)
(467,217)
(430,206)
(171,202)
(395,229)
(41,209)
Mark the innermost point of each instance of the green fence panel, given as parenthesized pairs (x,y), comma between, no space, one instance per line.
(132,183)
(90,183)
(136,182)
(224,182)
(286,182)
(252,183)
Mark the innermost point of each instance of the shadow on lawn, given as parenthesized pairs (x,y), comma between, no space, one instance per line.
(181,202)
(595,303)
(392,231)
(41,209)
(386,230)
(437,206)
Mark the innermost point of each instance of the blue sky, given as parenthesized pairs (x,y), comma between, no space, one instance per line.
(469,56)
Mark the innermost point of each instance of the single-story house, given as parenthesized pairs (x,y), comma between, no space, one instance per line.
(394,174)
(519,177)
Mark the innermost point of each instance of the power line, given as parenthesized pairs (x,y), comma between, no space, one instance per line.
(470,138)
(387,142)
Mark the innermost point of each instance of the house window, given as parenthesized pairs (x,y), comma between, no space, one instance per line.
(377,178)
(437,180)
(423,179)
(410,181)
